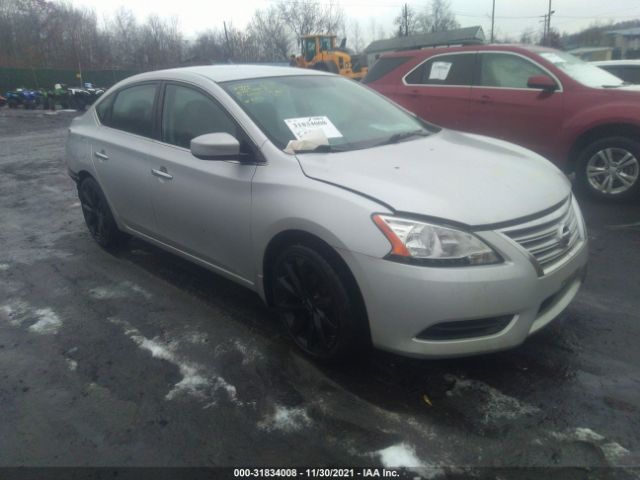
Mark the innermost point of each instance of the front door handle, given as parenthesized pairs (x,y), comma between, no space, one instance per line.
(162,173)
(101,155)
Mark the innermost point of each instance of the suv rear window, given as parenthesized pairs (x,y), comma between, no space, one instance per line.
(383,66)
(456,70)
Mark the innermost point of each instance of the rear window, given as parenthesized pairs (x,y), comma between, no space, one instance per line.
(384,66)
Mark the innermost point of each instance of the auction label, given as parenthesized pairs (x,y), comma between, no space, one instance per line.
(303,125)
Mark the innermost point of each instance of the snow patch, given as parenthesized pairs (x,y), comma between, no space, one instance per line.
(4,267)
(72,364)
(613,451)
(401,455)
(493,404)
(16,312)
(75,205)
(404,455)
(48,322)
(121,290)
(286,419)
(249,353)
(196,380)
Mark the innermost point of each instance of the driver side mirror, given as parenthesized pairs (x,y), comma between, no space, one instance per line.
(216,146)
(543,82)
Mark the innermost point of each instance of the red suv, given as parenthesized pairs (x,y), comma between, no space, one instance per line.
(577,115)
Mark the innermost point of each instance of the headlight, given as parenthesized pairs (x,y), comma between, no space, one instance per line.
(436,245)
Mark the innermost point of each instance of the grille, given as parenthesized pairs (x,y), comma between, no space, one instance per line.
(550,238)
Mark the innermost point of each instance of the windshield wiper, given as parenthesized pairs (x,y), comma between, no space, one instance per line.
(323,149)
(398,137)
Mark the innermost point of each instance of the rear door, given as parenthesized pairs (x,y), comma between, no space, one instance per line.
(439,89)
(120,152)
(503,106)
(203,207)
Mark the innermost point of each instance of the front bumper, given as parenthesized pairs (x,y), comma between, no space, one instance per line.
(403,300)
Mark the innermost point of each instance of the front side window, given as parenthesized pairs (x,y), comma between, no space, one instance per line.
(187,114)
(454,70)
(349,115)
(132,110)
(506,71)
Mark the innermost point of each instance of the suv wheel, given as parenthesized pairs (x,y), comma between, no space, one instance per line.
(310,294)
(610,168)
(98,216)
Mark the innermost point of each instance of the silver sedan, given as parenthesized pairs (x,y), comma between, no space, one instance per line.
(358,223)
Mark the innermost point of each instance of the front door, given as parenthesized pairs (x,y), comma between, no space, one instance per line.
(203,207)
(503,106)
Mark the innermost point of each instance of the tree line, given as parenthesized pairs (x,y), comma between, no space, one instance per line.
(57,34)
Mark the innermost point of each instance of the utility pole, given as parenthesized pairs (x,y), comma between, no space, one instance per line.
(549,23)
(406,20)
(226,36)
(493,18)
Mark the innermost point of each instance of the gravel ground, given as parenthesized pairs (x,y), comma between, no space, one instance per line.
(142,359)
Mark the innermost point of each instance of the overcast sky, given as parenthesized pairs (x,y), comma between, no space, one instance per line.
(512,16)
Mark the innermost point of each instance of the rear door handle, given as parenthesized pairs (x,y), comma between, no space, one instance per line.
(101,155)
(161,173)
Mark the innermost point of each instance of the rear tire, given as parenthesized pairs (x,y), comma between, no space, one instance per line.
(609,168)
(311,295)
(98,216)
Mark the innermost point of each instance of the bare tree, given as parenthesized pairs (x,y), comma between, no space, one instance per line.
(357,42)
(273,37)
(528,37)
(438,17)
(406,22)
(208,48)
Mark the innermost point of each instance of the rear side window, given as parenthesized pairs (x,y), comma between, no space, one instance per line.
(628,74)
(187,114)
(103,109)
(507,71)
(384,66)
(132,110)
(454,70)
(632,74)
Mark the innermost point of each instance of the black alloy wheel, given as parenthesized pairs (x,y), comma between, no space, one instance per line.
(97,214)
(312,300)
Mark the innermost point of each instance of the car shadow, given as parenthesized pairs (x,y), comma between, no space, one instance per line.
(394,383)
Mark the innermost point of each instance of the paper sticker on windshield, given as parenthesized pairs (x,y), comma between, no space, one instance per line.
(302,125)
(440,70)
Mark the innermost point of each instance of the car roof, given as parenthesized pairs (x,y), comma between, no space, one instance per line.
(617,63)
(427,52)
(226,73)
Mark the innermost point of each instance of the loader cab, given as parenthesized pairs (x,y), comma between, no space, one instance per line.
(313,45)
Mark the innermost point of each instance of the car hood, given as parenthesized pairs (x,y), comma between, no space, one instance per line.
(459,177)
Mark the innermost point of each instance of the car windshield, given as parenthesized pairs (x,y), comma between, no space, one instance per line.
(349,115)
(582,72)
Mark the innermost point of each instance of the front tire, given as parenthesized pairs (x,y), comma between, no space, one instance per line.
(312,297)
(98,216)
(610,168)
